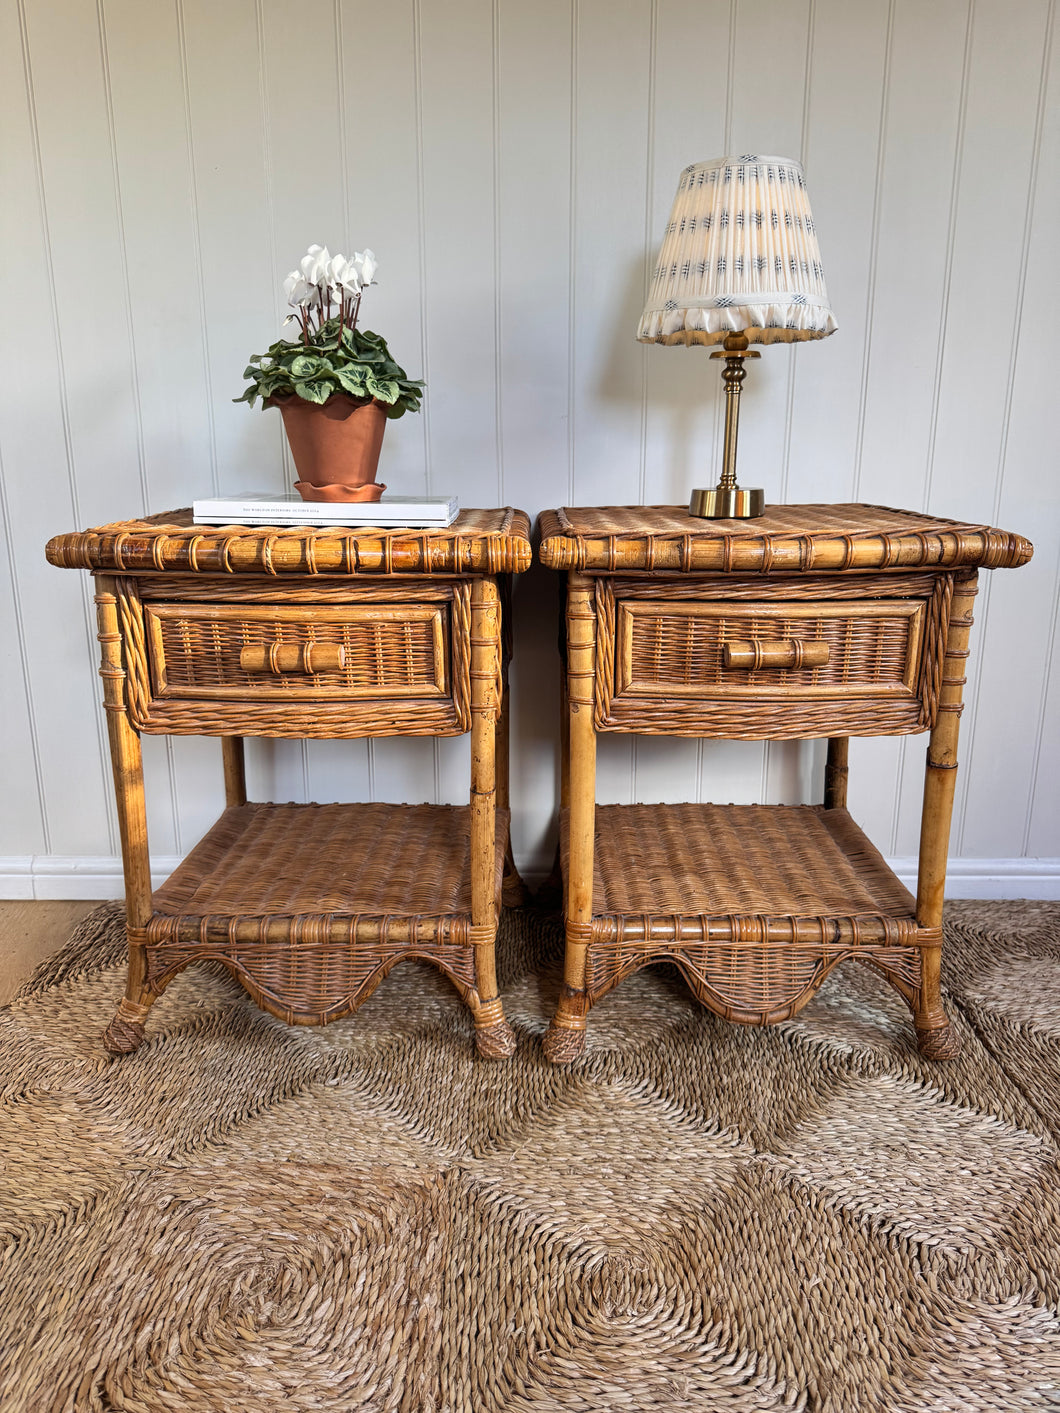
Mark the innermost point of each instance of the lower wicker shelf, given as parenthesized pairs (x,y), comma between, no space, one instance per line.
(310,906)
(755,903)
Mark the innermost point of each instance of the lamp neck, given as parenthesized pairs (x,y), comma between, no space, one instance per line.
(734,350)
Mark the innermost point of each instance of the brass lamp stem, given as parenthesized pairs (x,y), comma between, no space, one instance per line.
(727,500)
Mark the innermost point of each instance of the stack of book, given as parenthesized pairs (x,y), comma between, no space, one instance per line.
(399,512)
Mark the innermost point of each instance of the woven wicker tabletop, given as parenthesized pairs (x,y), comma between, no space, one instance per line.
(786,538)
(478,542)
(739,860)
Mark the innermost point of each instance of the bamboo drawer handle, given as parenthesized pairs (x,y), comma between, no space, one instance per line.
(280,658)
(783,652)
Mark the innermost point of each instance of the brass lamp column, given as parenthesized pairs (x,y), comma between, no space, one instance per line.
(739,264)
(727,500)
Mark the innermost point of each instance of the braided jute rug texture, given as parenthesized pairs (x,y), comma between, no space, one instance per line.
(244,1216)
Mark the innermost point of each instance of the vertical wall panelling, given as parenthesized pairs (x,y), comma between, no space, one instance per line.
(925,86)
(225,103)
(23,821)
(1017,638)
(1030,438)
(165,163)
(303,123)
(614,43)
(65,390)
(157,218)
(967,472)
(227,87)
(923,106)
(533,221)
(681,385)
(841,151)
(773,37)
(379,98)
(22,817)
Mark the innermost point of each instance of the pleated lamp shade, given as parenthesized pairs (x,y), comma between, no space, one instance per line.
(740,254)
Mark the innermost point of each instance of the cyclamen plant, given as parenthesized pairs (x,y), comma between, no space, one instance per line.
(332,355)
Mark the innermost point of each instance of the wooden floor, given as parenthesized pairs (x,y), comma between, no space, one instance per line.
(30,932)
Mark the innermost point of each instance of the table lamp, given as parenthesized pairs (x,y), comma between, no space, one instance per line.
(739,264)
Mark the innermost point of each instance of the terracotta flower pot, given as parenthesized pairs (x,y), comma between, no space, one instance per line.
(335,445)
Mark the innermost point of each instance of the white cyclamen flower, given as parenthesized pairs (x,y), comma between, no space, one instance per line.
(366,264)
(298,291)
(314,265)
(343,278)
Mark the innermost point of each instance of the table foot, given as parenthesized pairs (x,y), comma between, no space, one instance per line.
(562,1045)
(495,1042)
(938,1042)
(126,1031)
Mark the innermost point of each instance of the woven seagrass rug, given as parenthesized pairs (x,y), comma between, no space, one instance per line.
(245,1217)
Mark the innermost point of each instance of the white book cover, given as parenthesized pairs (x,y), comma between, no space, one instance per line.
(259,508)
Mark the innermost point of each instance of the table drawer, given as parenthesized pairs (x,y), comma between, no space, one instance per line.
(769,667)
(267,652)
(330,668)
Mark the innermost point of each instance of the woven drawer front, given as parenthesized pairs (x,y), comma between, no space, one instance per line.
(768,668)
(264,652)
(681,647)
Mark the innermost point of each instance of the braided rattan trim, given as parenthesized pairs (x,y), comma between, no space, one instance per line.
(755,985)
(126,1031)
(738,587)
(605,651)
(758,719)
(938,1042)
(134,648)
(564,1043)
(313,979)
(323,720)
(460,674)
(752,932)
(495,1042)
(478,542)
(802,538)
(934,649)
(251,589)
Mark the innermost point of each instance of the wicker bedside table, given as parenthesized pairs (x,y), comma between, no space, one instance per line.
(812,621)
(232,632)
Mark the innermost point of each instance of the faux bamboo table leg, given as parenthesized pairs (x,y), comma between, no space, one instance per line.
(235,770)
(550,894)
(836,771)
(494,1037)
(936,1038)
(126,1031)
(565,1039)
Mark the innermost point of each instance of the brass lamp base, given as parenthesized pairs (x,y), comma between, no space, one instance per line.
(727,503)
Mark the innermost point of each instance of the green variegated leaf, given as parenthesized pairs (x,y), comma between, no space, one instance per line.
(352,380)
(383,388)
(316,390)
(305,365)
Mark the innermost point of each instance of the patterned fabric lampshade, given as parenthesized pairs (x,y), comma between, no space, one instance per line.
(740,254)
(739,265)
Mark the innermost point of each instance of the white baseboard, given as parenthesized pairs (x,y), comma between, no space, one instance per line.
(991,878)
(58,876)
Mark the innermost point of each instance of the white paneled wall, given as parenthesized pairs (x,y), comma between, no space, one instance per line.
(165,162)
